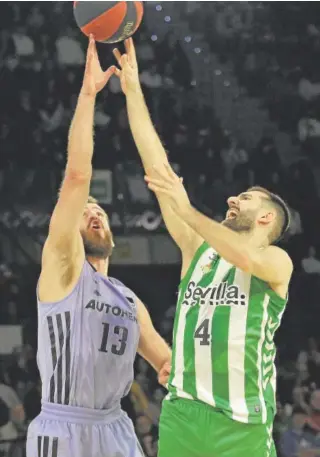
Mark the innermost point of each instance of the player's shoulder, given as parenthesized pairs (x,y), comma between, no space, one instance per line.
(116,282)
(279,256)
(126,291)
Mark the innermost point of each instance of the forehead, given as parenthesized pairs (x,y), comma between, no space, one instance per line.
(96,208)
(253,195)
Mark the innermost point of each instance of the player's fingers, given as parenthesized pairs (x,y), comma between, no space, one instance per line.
(159,190)
(163,174)
(117,55)
(90,50)
(94,49)
(91,41)
(170,171)
(124,61)
(158,182)
(129,45)
(108,73)
(117,72)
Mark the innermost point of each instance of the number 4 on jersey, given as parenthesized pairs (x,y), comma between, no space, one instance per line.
(202,332)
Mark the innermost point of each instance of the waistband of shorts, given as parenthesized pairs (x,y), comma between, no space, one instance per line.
(78,414)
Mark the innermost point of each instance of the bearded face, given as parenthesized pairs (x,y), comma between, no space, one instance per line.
(247,211)
(240,221)
(95,232)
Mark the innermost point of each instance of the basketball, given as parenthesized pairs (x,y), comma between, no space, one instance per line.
(108,22)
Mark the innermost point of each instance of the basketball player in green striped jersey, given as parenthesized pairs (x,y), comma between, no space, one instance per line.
(232,295)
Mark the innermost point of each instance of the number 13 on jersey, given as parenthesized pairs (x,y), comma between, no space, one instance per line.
(117,349)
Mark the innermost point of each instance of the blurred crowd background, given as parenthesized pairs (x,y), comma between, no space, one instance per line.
(233,89)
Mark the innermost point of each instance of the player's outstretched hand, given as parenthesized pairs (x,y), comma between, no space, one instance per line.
(128,72)
(166,182)
(94,77)
(164,374)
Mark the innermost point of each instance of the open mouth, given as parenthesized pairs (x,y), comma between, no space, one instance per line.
(232,213)
(95,225)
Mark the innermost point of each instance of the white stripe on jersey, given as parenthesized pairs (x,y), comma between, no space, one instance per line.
(236,350)
(259,361)
(203,354)
(177,381)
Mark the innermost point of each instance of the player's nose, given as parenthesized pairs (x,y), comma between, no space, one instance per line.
(233,202)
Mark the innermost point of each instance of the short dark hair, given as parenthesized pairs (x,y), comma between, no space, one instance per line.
(283,213)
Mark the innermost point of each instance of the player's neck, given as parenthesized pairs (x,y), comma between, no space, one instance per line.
(100,265)
(255,239)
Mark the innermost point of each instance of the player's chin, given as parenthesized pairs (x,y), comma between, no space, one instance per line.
(227,222)
(230,223)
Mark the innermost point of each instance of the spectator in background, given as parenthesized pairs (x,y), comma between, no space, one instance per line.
(170,46)
(242,174)
(32,402)
(12,415)
(145,50)
(36,22)
(307,90)
(309,362)
(296,224)
(265,158)
(144,433)
(142,375)
(151,78)
(7,145)
(155,405)
(7,432)
(12,314)
(308,127)
(296,442)
(311,264)
(101,118)
(51,115)
(23,370)
(314,419)
(114,85)
(69,51)
(23,44)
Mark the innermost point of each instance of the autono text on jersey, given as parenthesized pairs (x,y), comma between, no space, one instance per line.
(223,294)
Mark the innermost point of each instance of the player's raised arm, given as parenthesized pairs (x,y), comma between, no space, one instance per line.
(271,264)
(150,148)
(63,254)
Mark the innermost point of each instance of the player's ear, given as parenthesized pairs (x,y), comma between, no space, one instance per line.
(267,218)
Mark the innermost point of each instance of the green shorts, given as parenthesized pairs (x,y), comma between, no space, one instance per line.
(193,429)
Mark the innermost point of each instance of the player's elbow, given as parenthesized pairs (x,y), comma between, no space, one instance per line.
(78,174)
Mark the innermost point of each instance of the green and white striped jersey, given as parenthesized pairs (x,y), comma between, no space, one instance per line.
(223,348)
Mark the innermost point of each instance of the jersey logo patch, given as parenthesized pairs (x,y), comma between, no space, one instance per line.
(208,266)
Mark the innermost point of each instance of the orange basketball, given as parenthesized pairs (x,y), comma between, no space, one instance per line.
(108,22)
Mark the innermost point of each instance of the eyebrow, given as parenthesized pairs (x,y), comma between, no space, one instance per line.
(98,208)
(245,194)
